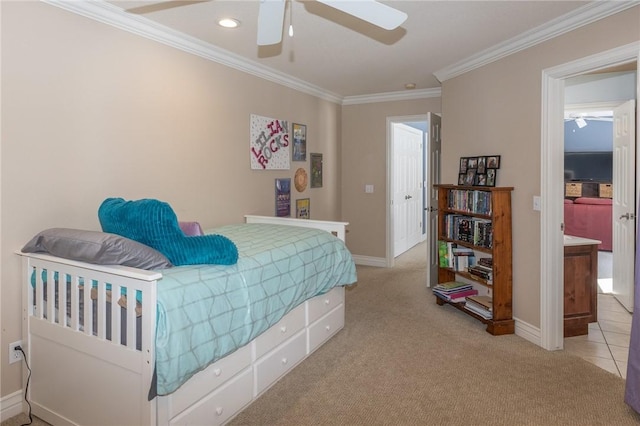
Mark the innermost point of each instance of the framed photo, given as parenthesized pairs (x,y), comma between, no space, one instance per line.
(463,164)
(461,178)
(493,162)
(299,142)
(470,177)
(283,197)
(491,177)
(482,165)
(472,163)
(316,171)
(300,179)
(481,179)
(303,209)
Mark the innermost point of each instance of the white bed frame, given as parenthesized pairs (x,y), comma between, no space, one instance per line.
(81,378)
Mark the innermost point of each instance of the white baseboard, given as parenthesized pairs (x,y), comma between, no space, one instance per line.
(10,405)
(370,261)
(528,332)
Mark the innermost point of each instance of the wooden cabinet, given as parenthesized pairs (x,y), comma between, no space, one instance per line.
(490,205)
(580,285)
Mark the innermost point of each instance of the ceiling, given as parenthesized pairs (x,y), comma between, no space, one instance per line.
(347,57)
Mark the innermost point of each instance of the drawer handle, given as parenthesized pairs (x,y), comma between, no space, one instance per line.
(219,411)
(217,372)
(284,361)
(328,328)
(283,329)
(327,301)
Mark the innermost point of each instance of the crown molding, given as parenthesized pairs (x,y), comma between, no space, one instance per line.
(563,24)
(392,96)
(101,11)
(109,14)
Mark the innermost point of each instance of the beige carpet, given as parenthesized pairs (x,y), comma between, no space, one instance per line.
(403,360)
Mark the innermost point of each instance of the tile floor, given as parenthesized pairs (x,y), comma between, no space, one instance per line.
(607,344)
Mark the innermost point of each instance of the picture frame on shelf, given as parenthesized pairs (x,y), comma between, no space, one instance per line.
(463,165)
(472,163)
(493,162)
(470,177)
(481,165)
(481,179)
(461,178)
(491,177)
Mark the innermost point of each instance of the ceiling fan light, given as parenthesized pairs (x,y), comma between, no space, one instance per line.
(229,23)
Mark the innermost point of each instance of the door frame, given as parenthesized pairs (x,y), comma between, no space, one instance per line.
(552,172)
(389,225)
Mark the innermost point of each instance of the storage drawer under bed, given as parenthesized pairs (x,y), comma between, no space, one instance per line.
(326,327)
(321,305)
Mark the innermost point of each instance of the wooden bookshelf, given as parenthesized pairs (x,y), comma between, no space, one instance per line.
(500,250)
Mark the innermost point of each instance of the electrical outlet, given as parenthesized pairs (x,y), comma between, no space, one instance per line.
(14,354)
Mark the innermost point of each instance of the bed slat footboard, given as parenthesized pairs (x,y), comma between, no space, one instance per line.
(75,339)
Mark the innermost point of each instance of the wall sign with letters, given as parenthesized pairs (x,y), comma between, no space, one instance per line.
(269,145)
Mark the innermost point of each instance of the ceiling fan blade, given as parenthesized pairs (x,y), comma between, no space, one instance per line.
(270,22)
(371,11)
(155,7)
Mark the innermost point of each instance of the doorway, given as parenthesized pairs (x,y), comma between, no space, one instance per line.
(592,168)
(552,214)
(397,174)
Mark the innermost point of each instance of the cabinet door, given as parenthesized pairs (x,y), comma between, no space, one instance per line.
(580,288)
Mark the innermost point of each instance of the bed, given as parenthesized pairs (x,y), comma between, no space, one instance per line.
(120,363)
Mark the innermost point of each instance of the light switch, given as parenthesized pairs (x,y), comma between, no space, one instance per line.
(537,203)
(368,189)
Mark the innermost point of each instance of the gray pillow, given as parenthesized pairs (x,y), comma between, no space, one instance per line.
(96,247)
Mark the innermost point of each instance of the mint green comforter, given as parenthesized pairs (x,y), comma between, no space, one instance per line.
(206,312)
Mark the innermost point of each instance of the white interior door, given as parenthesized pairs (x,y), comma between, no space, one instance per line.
(434,145)
(407,187)
(624,203)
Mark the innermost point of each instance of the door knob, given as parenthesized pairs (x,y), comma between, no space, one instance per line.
(408,197)
(628,216)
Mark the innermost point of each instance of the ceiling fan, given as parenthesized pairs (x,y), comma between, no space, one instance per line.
(271,15)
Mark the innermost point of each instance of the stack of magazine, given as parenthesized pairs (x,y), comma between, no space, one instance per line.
(454,291)
(481,305)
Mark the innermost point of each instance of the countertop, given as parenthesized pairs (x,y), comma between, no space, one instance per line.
(570,240)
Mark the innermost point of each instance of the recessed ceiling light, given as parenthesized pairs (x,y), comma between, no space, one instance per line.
(410,86)
(229,23)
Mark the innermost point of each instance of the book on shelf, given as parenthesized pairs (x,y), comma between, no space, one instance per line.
(470,201)
(484,302)
(454,291)
(481,305)
(454,257)
(443,254)
(482,233)
(486,261)
(456,296)
(450,286)
(463,257)
(461,296)
(482,312)
(481,272)
(472,230)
